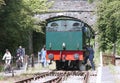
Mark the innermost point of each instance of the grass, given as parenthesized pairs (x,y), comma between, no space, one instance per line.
(97,58)
(28,73)
(1,68)
(1,77)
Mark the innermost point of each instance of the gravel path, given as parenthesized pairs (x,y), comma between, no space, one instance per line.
(110,74)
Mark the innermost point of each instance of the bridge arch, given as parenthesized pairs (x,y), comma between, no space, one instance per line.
(59,16)
(86,16)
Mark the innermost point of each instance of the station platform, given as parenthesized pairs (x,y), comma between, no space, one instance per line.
(110,74)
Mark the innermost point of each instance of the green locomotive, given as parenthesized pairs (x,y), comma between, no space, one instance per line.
(65,40)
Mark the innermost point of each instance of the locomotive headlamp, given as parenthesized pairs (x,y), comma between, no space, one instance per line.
(50,56)
(63,45)
(76,56)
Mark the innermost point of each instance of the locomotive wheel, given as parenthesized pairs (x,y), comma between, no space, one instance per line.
(65,65)
(82,67)
(58,65)
(61,65)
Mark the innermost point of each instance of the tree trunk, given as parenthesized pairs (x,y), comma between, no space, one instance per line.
(114,49)
(30,42)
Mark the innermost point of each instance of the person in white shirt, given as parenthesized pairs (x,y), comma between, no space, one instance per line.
(7,57)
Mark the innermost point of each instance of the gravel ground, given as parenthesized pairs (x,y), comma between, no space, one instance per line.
(21,74)
(110,74)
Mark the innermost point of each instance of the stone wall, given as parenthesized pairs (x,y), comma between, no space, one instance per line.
(72,5)
(80,9)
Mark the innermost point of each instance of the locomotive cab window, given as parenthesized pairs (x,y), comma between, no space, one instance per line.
(54,25)
(76,24)
(77,27)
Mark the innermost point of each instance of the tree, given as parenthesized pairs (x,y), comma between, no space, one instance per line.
(108,23)
(17,22)
(1,2)
(33,7)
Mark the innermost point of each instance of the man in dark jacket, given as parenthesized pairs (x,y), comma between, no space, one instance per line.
(91,57)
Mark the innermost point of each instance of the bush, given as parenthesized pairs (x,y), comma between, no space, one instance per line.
(1,68)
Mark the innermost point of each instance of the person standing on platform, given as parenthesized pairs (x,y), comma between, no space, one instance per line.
(43,56)
(7,57)
(20,53)
(91,57)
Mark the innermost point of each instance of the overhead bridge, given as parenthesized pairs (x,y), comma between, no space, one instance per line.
(80,9)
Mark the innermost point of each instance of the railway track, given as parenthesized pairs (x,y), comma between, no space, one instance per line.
(62,77)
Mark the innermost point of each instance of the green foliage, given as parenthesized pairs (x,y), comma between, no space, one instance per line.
(91,1)
(1,2)
(108,22)
(1,69)
(17,21)
(37,6)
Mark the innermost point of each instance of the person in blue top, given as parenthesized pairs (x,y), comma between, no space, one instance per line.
(91,57)
(20,54)
(86,54)
(43,56)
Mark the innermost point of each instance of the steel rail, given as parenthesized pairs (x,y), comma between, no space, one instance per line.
(55,80)
(61,76)
(33,78)
(86,77)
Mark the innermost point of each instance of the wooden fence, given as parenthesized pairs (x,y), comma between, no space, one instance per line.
(108,59)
